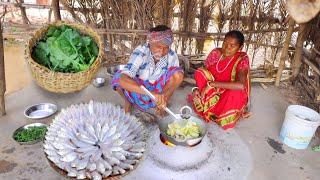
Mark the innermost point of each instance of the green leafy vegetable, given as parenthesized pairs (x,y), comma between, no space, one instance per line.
(189,130)
(31,134)
(316,148)
(64,49)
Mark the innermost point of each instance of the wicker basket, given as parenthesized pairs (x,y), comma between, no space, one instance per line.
(59,82)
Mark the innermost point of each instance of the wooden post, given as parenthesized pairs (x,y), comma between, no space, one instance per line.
(56,9)
(167,12)
(284,52)
(2,76)
(253,14)
(205,13)
(297,60)
(184,7)
(25,19)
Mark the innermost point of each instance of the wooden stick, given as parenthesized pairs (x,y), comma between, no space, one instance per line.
(241,18)
(26,5)
(296,64)
(306,87)
(269,80)
(264,86)
(2,76)
(316,51)
(39,6)
(71,11)
(131,32)
(284,52)
(25,19)
(141,32)
(313,67)
(56,9)
(310,81)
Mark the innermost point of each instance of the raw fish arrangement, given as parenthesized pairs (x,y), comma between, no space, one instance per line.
(94,141)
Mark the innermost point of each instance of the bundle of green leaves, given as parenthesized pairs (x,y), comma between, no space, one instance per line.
(31,134)
(64,49)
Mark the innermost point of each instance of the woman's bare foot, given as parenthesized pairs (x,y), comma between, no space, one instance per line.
(246,114)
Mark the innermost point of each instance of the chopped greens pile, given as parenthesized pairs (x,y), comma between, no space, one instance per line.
(31,134)
(64,49)
(316,148)
(181,133)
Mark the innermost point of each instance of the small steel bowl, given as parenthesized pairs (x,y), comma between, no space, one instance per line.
(113,69)
(27,127)
(39,111)
(98,82)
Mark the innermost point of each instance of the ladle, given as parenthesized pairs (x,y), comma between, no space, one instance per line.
(176,116)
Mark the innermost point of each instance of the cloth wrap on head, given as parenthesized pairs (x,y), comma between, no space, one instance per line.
(164,37)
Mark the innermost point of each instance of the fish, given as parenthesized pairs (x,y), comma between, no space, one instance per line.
(94,140)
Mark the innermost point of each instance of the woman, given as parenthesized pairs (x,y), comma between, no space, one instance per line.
(222,88)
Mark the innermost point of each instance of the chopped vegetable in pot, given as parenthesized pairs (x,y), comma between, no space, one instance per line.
(181,133)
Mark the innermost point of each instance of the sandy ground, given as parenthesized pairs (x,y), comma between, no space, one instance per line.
(259,133)
(16,72)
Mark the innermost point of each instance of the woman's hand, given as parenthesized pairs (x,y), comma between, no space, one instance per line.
(206,90)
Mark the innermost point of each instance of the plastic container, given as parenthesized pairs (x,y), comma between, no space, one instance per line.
(299,126)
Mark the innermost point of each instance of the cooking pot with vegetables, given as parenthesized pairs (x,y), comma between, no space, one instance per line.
(188,130)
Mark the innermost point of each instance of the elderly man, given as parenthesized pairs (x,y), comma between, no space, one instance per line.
(153,65)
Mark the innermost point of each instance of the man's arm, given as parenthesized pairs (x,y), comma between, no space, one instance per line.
(127,83)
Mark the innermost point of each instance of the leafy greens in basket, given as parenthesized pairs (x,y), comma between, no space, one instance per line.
(64,49)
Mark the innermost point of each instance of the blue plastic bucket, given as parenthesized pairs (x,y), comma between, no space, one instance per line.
(299,126)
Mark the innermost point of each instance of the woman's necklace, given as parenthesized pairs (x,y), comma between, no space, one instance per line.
(217,65)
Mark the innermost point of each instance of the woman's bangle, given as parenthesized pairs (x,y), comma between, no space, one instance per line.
(208,84)
(194,89)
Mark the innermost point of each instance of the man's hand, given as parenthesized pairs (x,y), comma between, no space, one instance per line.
(161,100)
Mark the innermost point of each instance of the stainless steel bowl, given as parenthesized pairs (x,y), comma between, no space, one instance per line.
(98,82)
(113,69)
(39,111)
(27,127)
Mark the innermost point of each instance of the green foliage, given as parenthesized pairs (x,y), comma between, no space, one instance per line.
(316,148)
(64,49)
(31,134)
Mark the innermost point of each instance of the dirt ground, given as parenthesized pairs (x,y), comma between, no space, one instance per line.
(16,72)
(260,133)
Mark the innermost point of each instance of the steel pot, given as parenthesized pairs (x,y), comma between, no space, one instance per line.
(185,116)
